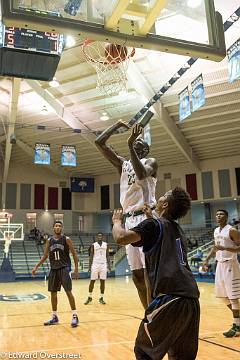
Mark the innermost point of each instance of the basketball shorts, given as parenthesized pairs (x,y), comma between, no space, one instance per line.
(99,271)
(227,280)
(135,255)
(58,278)
(170,326)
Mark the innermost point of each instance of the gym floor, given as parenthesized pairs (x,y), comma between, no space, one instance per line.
(106,332)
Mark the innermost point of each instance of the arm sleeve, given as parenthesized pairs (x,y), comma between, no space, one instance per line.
(149,232)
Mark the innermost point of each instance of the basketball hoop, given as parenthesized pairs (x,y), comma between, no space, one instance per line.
(110,62)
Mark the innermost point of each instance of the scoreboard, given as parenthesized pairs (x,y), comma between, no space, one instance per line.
(30,54)
(32,40)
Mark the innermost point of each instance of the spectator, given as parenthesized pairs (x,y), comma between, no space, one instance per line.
(80,249)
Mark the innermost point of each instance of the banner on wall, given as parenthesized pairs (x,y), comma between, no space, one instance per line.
(79,184)
(184,104)
(42,154)
(198,93)
(147,134)
(234,62)
(68,155)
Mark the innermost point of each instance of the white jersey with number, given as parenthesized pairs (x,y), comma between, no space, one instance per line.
(99,253)
(134,192)
(222,237)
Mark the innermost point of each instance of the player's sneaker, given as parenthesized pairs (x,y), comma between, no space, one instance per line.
(101,301)
(88,301)
(75,321)
(53,321)
(234,331)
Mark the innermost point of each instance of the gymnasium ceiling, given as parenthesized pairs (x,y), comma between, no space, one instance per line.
(211,132)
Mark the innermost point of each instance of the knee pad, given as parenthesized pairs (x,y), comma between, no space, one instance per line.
(226,301)
(235,304)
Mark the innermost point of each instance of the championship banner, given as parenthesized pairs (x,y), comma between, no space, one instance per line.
(79,184)
(68,155)
(42,154)
(184,104)
(234,62)
(198,93)
(147,134)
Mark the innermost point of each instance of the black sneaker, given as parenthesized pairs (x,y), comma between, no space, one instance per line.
(75,321)
(101,301)
(53,321)
(88,301)
(234,331)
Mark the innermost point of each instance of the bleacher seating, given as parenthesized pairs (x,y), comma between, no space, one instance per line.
(23,255)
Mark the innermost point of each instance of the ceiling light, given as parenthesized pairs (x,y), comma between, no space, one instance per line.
(104,117)
(104,113)
(54,83)
(194,3)
(44,110)
(70,41)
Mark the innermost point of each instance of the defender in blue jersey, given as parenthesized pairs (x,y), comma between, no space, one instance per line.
(171,322)
(57,250)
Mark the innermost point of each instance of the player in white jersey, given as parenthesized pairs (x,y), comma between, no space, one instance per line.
(99,264)
(137,187)
(227,278)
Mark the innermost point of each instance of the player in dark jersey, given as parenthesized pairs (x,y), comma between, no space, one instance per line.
(57,249)
(171,321)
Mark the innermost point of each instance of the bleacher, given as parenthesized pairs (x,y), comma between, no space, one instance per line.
(24,255)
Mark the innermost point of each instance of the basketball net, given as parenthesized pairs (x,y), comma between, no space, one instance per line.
(111,63)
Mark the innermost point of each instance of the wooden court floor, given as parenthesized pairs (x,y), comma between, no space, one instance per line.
(106,332)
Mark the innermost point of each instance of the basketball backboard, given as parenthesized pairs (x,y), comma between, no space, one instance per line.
(186,27)
(11,231)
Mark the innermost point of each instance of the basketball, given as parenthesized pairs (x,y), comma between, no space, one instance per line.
(115,53)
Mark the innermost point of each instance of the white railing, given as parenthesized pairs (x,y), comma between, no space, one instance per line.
(204,249)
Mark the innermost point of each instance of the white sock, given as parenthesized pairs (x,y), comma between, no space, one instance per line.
(236,321)
(74,312)
(90,295)
(54,313)
(101,295)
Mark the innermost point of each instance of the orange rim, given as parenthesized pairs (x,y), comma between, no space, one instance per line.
(87,42)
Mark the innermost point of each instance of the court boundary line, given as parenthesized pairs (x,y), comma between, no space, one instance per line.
(78,347)
(220,345)
(127,317)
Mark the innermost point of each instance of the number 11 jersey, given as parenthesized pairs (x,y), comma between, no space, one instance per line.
(59,252)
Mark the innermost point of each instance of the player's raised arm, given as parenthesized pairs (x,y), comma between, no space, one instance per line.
(121,235)
(138,150)
(106,150)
